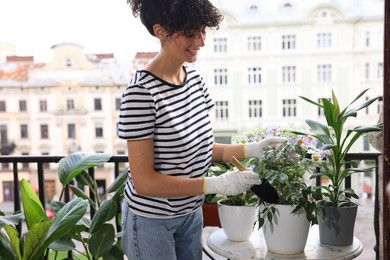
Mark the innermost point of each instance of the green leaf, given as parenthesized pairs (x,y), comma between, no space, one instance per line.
(317,126)
(119,181)
(330,113)
(311,101)
(106,212)
(102,241)
(33,248)
(65,220)
(71,165)
(63,244)
(9,250)
(367,129)
(32,207)
(336,105)
(11,220)
(79,193)
(14,237)
(56,206)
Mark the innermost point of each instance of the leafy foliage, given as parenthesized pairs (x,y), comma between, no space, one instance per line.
(285,170)
(337,142)
(97,236)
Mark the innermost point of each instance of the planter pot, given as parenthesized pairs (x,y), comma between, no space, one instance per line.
(210,215)
(237,221)
(336,226)
(287,234)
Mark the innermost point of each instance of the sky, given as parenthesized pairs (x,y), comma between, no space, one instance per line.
(100,26)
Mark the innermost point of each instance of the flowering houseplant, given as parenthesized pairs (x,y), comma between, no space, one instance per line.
(337,142)
(285,169)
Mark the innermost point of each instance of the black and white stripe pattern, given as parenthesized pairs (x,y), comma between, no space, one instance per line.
(177,119)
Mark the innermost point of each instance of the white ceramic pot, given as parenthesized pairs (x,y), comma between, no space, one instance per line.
(237,221)
(287,234)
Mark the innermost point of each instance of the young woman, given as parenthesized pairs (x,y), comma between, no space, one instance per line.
(164,118)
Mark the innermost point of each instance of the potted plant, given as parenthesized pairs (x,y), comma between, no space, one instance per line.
(337,217)
(286,223)
(236,214)
(96,236)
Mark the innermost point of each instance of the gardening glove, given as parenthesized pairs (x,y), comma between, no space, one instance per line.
(230,183)
(257,149)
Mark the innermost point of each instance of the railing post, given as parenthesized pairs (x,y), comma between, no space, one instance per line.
(41,184)
(16,193)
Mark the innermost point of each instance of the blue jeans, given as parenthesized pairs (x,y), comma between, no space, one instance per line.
(163,239)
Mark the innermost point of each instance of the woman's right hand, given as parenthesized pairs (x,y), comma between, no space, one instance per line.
(231,183)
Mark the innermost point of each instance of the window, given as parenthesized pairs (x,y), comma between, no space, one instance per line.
(117,104)
(68,62)
(288,42)
(324,73)
(98,104)
(22,105)
(367,39)
(220,77)
(2,106)
(367,71)
(23,131)
(222,110)
(3,135)
(255,108)
(98,130)
(254,76)
(324,40)
(289,107)
(44,131)
(380,70)
(43,105)
(380,105)
(70,105)
(8,191)
(289,73)
(72,131)
(220,45)
(254,43)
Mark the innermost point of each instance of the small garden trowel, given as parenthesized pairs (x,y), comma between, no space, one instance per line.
(264,191)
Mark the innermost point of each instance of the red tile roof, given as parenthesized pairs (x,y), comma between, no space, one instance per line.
(17,68)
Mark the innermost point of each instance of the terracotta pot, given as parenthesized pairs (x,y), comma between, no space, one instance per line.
(210,215)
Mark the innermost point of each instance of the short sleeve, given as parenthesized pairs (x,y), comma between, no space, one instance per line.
(137,114)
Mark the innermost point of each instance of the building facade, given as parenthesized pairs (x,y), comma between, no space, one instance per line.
(268,53)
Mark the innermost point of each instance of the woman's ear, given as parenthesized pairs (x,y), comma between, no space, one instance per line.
(159,32)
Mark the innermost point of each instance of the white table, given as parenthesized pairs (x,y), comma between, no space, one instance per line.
(255,247)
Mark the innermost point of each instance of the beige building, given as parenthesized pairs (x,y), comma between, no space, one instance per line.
(69,104)
(268,53)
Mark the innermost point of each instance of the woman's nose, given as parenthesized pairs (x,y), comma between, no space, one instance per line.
(201,38)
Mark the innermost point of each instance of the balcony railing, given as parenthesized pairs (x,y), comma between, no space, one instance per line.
(371,159)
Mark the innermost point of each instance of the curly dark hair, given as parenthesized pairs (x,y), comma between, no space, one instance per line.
(177,15)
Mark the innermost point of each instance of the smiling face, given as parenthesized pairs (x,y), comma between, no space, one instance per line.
(184,47)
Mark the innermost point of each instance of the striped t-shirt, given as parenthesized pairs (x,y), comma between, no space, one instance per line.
(176,117)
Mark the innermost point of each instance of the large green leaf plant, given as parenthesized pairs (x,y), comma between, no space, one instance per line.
(337,142)
(71,224)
